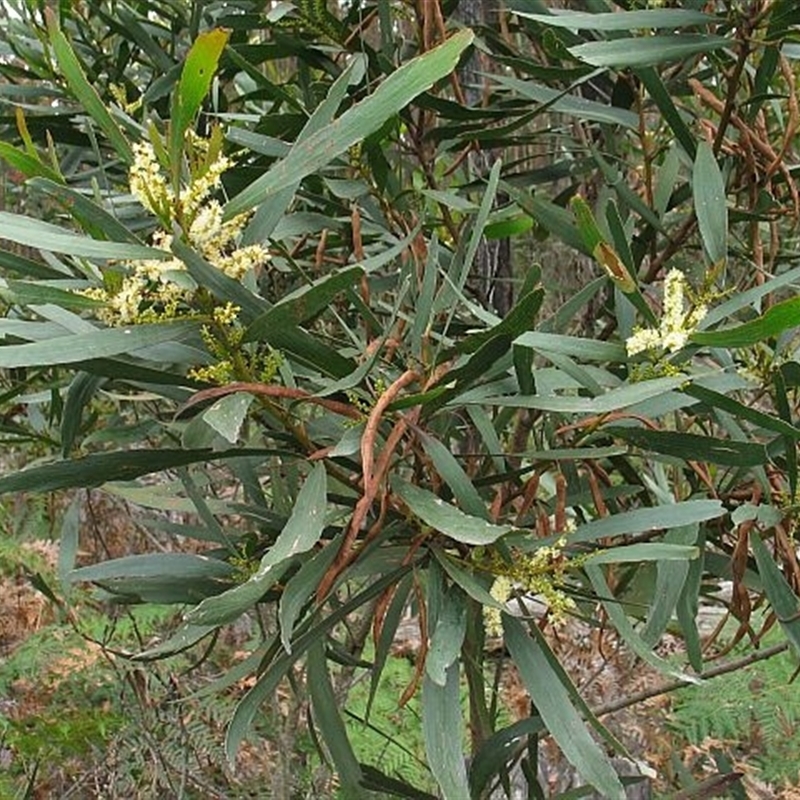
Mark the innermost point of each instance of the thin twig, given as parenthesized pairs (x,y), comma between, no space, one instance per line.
(733,87)
(372,478)
(712,672)
(269,390)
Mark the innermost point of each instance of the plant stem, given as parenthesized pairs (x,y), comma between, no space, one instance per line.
(713,672)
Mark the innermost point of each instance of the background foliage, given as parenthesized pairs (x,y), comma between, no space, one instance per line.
(253,251)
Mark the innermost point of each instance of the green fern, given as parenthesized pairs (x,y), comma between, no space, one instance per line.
(755,710)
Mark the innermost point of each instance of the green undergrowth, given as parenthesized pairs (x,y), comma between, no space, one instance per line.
(753,715)
(66,699)
(391,737)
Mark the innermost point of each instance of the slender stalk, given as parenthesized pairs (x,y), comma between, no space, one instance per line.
(671,686)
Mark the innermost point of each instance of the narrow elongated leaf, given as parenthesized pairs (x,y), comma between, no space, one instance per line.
(358,122)
(200,532)
(27,293)
(777,319)
(626,630)
(269,213)
(455,383)
(688,604)
(641,520)
(196,76)
(28,165)
(385,643)
(289,339)
(615,400)
(690,446)
(628,198)
(575,453)
(305,303)
(651,80)
(81,391)
(750,298)
(68,542)
(85,93)
(159,578)
(126,21)
(31,331)
(154,565)
(622,21)
(447,519)
(459,482)
(377,781)
(708,189)
(519,320)
(550,216)
(742,411)
(166,497)
(185,637)
(646,551)
(29,268)
(268,216)
(780,595)
(448,636)
(585,349)
(98,344)
(44,236)
(786,415)
(126,370)
(300,534)
(95,220)
(563,103)
(496,752)
(645,51)
(393,249)
(670,579)
(97,469)
(574,694)
(299,589)
(71,322)
(330,723)
(553,704)
(441,722)
(468,582)
(461,265)
(310,350)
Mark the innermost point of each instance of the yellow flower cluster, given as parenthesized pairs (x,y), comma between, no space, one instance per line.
(223,338)
(147,182)
(152,290)
(676,325)
(541,573)
(502,591)
(121,97)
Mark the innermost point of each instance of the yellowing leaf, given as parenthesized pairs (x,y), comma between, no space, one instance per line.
(607,258)
(587,226)
(196,76)
(198,71)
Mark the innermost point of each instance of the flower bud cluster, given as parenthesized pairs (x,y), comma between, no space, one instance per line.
(542,573)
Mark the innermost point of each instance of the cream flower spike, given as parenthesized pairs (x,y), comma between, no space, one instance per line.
(676,325)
